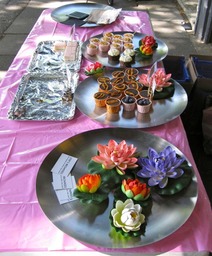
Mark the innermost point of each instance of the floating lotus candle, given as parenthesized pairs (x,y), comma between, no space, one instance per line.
(89,183)
(127,215)
(95,69)
(116,155)
(135,189)
(160,78)
(158,167)
(149,41)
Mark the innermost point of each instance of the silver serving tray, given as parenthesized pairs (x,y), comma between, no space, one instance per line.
(90,223)
(45,60)
(61,13)
(159,54)
(45,97)
(162,111)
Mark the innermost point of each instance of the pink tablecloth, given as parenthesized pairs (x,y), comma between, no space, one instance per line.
(25,144)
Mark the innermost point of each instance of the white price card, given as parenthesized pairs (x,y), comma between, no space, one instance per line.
(65,195)
(64,165)
(63,182)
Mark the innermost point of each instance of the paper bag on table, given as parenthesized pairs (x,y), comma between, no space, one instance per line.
(103,16)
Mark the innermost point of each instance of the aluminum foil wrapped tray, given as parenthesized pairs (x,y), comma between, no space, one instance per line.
(45,59)
(45,97)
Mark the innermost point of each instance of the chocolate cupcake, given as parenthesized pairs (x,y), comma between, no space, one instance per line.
(113,55)
(125,60)
(131,53)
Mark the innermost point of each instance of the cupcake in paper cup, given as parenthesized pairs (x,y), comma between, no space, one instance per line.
(113,55)
(92,49)
(125,60)
(129,103)
(143,105)
(131,53)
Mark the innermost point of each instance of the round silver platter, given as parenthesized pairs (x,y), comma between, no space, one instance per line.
(160,52)
(61,13)
(162,111)
(89,223)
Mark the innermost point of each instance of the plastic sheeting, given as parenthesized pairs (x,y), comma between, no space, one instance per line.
(25,144)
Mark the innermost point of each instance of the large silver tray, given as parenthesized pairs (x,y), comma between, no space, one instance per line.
(162,111)
(61,13)
(90,223)
(45,97)
(45,60)
(159,54)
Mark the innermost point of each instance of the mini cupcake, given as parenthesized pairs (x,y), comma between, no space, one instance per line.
(108,36)
(127,40)
(128,46)
(132,92)
(115,94)
(129,103)
(113,105)
(125,60)
(131,71)
(117,46)
(104,46)
(128,34)
(145,94)
(94,40)
(143,105)
(117,36)
(117,41)
(92,49)
(135,85)
(113,55)
(120,88)
(103,79)
(100,99)
(105,87)
(127,79)
(117,81)
(131,53)
(118,74)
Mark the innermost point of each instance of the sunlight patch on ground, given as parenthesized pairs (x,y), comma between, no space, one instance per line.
(50,4)
(13,8)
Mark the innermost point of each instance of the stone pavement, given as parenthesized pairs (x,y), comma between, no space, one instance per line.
(17,18)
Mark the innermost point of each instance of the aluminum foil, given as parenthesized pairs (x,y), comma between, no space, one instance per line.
(46,60)
(45,97)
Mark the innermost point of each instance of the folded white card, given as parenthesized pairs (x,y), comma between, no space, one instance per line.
(65,195)
(64,165)
(63,182)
